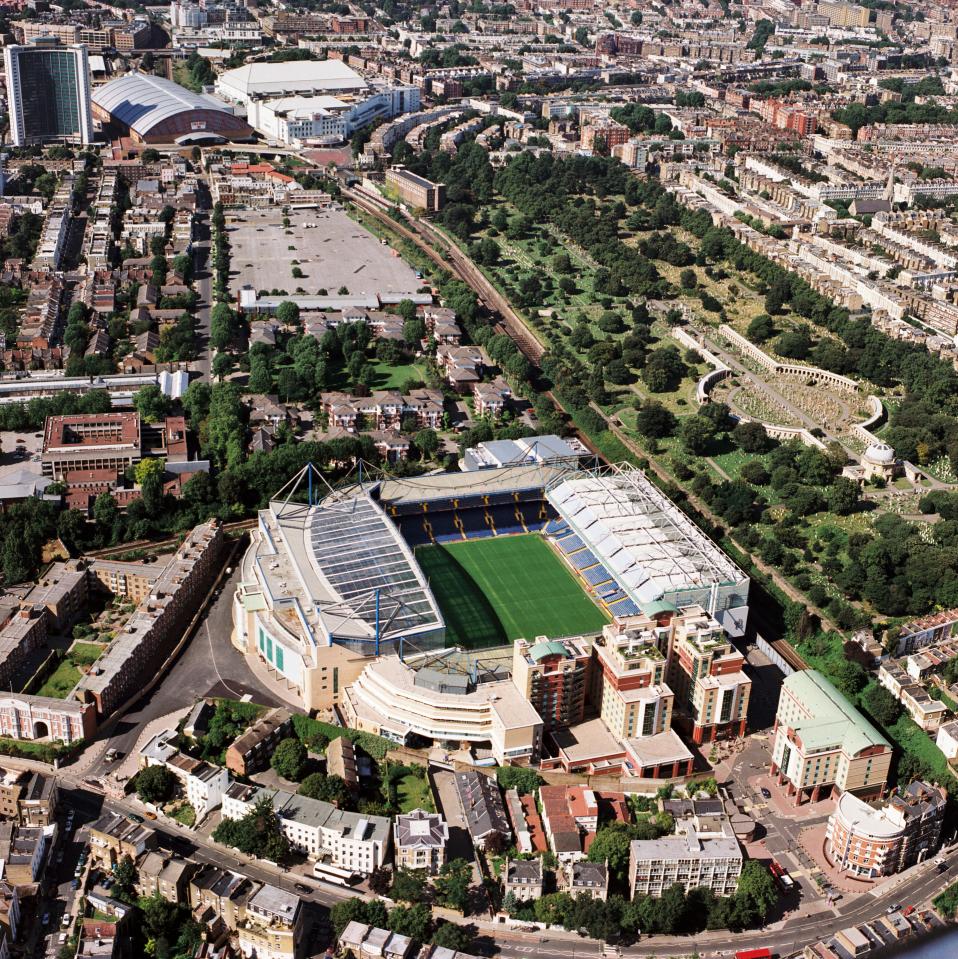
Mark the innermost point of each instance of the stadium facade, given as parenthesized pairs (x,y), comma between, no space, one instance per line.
(333,600)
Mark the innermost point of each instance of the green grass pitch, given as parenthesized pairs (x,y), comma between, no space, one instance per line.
(492,591)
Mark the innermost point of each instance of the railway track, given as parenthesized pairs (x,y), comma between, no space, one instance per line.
(240,526)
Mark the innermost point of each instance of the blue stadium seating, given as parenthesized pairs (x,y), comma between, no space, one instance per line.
(583,558)
(569,544)
(625,607)
(555,527)
(597,576)
(444,526)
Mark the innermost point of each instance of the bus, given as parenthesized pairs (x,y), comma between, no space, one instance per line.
(753,954)
(781,876)
(334,874)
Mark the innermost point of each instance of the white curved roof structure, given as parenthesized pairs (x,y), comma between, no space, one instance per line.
(141,101)
(651,547)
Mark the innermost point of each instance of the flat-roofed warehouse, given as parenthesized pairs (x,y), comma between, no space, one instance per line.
(156,110)
(256,81)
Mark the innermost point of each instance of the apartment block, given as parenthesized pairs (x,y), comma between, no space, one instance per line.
(873,842)
(705,671)
(147,638)
(822,744)
(318,829)
(554,677)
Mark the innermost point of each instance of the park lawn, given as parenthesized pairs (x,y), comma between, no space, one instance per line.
(494,591)
(62,680)
(413,792)
(389,377)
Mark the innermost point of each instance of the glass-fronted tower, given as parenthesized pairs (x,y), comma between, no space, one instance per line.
(48,89)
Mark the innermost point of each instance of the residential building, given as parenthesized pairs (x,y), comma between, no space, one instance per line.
(571,816)
(10,910)
(823,744)
(873,842)
(629,686)
(689,859)
(37,802)
(553,675)
(318,829)
(947,739)
(370,942)
(48,93)
(705,672)
(23,850)
(588,879)
(112,837)
(522,879)
(215,894)
(203,783)
(165,874)
(926,631)
(483,809)
(341,761)
(272,927)
(251,751)
(419,841)
(45,717)
(144,642)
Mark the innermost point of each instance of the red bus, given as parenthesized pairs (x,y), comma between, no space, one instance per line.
(753,954)
(781,876)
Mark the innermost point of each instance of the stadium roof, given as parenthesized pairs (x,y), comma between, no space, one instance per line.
(285,79)
(346,554)
(508,479)
(649,544)
(141,100)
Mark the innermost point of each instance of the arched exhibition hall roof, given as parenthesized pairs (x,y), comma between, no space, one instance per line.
(141,101)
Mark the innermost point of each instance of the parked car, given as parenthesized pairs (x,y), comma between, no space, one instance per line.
(46,919)
(894,907)
(765,793)
(302,887)
(133,817)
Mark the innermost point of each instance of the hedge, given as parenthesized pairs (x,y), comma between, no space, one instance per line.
(308,729)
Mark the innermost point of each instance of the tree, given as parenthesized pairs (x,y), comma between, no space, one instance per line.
(409,885)
(289,759)
(611,845)
(372,913)
(124,879)
(148,474)
(427,442)
(452,884)
(413,921)
(663,370)
(844,496)
(688,280)
(414,330)
(452,936)
(750,436)
(332,789)
(756,891)
(849,678)
(697,434)
(761,329)
(256,834)
(155,784)
(287,313)
(525,781)
(260,377)
(654,420)
(881,705)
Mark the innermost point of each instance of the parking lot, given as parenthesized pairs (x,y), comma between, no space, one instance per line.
(332,251)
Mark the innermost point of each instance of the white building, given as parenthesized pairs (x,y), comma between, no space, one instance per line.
(947,739)
(690,860)
(318,829)
(323,101)
(203,783)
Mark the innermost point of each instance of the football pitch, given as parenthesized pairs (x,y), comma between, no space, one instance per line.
(492,591)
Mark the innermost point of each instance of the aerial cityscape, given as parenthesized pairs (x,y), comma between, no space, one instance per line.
(479,479)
